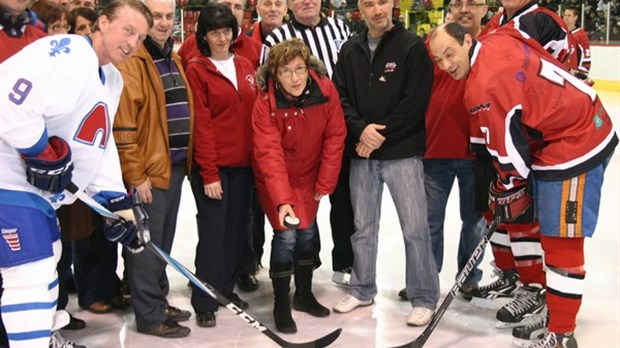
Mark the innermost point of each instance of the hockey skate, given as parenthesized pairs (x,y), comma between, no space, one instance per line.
(57,341)
(556,340)
(529,301)
(533,332)
(498,293)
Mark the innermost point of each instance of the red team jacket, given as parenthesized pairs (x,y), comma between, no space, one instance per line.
(222,125)
(535,115)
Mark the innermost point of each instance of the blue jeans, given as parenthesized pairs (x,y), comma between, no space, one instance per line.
(405,180)
(439,176)
(286,244)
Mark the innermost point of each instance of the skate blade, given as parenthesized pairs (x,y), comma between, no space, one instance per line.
(486,303)
(523,343)
(502,325)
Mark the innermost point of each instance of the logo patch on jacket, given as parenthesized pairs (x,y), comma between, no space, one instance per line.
(251,81)
(11,236)
(389,67)
(480,107)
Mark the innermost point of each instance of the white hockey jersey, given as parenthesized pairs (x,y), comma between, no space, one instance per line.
(55,85)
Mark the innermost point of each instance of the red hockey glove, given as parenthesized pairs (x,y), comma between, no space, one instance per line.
(51,169)
(509,205)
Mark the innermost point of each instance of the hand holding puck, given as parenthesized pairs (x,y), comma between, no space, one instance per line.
(291,222)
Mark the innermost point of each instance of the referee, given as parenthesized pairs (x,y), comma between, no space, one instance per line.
(324,36)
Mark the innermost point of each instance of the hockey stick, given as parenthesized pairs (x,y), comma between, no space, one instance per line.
(204,286)
(460,279)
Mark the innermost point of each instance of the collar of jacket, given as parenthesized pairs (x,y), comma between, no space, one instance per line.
(301,27)
(15,29)
(312,95)
(157,52)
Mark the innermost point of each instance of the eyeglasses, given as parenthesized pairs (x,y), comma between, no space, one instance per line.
(470,5)
(58,27)
(288,73)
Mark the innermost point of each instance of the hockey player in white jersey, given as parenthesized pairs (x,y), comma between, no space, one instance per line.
(57,100)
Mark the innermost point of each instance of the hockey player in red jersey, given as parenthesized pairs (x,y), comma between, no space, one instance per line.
(582,44)
(516,245)
(563,146)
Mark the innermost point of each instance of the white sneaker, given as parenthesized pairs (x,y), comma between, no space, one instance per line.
(420,316)
(342,277)
(349,303)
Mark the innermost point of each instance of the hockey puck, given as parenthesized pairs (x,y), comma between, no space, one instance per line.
(291,222)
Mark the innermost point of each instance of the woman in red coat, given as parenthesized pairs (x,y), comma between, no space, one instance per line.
(299,133)
(224,92)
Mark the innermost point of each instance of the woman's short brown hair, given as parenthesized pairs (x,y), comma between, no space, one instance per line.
(284,52)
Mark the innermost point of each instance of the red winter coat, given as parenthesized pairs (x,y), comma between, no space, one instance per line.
(222,121)
(297,151)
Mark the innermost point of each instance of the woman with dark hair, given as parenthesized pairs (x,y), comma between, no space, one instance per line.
(299,133)
(224,93)
(81,20)
(53,15)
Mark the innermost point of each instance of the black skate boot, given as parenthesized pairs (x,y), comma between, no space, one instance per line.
(529,300)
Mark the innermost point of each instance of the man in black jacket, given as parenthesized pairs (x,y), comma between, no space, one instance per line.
(384,77)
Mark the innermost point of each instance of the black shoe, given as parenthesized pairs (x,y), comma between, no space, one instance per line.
(177,314)
(74,323)
(120,302)
(310,305)
(169,329)
(206,319)
(247,282)
(402,294)
(234,298)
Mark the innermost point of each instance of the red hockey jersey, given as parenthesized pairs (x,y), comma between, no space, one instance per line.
(535,115)
(583,50)
(543,26)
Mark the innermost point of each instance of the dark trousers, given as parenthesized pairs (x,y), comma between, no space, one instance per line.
(341,220)
(253,250)
(146,273)
(94,268)
(63,266)
(222,233)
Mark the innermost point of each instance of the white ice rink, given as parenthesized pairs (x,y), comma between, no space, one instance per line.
(384,324)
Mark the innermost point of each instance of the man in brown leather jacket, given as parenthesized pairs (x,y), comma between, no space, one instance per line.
(152,129)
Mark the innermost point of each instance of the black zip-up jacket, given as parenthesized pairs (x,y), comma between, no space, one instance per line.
(393,91)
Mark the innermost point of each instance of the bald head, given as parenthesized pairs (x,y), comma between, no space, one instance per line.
(450,44)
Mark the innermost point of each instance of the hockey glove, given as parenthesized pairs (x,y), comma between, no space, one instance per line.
(51,169)
(123,230)
(509,205)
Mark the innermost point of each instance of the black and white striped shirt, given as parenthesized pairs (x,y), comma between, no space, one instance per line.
(324,40)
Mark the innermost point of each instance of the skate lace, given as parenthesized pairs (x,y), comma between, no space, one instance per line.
(524,301)
(57,341)
(500,280)
(537,321)
(549,341)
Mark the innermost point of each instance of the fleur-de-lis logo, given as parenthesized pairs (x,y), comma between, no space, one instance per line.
(60,46)
(58,197)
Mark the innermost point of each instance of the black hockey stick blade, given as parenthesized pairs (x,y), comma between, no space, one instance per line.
(204,286)
(460,279)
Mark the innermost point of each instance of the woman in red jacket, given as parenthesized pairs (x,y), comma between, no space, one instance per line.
(299,133)
(224,94)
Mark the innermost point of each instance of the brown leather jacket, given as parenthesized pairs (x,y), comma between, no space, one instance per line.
(141,125)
